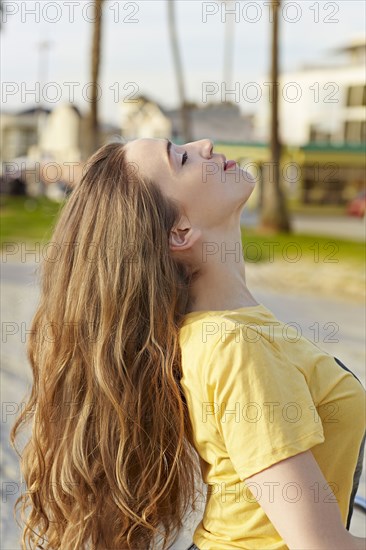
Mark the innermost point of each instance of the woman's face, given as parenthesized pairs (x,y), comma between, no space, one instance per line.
(195,177)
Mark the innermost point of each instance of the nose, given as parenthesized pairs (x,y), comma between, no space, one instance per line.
(204,146)
(207,148)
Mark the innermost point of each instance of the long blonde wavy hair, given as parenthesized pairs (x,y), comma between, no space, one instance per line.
(110,462)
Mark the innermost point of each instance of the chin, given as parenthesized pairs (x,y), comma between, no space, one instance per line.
(249,179)
(248,185)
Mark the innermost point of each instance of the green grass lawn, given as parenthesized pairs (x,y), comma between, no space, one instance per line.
(27,219)
(31,220)
(295,206)
(296,246)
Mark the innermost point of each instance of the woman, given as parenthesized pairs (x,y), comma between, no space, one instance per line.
(140,369)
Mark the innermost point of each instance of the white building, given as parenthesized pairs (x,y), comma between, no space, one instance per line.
(54,142)
(19,131)
(219,121)
(321,103)
(143,118)
(59,136)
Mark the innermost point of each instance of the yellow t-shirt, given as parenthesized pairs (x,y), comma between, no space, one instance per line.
(258,392)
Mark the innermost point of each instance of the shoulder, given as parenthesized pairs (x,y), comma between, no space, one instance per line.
(223,331)
(244,360)
(235,340)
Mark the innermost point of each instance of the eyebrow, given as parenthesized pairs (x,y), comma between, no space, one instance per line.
(168,147)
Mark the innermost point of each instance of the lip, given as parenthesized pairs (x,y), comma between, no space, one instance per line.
(230,164)
(223,158)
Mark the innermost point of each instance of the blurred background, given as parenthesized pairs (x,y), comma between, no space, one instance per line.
(279,86)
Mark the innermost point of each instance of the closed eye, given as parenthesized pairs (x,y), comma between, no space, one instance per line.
(184,157)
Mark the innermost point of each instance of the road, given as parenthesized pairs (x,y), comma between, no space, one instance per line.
(19,296)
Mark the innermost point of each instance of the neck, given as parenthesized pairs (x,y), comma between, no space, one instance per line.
(221,283)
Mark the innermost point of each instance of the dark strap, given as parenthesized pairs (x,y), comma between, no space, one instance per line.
(345,368)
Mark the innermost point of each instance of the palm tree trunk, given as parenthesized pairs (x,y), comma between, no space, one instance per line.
(1,12)
(186,123)
(93,124)
(228,49)
(274,213)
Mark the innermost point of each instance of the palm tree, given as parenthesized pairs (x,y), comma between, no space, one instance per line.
(93,124)
(228,49)
(186,123)
(1,12)
(274,213)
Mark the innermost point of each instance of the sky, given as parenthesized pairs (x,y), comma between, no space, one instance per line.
(136,52)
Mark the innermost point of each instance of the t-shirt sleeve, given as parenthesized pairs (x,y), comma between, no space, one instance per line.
(261,403)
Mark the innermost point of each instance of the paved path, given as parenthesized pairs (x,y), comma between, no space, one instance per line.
(328,226)
(19,296)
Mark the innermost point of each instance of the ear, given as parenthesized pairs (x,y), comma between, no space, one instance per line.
(183,235)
